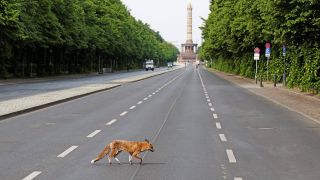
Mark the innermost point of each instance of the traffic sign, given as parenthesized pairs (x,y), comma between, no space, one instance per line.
(256,54)
(268,52)
(256,50)
(268,45)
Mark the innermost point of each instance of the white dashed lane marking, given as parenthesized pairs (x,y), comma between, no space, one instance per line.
(140,102)
(66,152)
(215,116)
(32,175)
(223,138)
(111,122)
(230,154)
(124,113)
(231,157)
(145,99)
(150,96)
(218,125)
(238,178)
(93,133)
(132,107)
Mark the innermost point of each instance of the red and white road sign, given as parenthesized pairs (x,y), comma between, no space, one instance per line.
(256,54)
(268,45)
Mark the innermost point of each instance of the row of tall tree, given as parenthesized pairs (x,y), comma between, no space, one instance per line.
(235,27)
(49,37)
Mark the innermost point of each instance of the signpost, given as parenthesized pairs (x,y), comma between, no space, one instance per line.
(268,53)
(256,58)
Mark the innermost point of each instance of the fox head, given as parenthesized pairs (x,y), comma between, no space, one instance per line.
(149,145)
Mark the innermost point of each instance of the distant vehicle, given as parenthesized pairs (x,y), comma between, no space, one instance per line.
(169,65)
(149,65)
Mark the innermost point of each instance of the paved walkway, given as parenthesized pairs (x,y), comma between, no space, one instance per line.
(12,107)
(303,103)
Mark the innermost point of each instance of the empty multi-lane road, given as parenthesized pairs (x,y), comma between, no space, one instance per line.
(201,126)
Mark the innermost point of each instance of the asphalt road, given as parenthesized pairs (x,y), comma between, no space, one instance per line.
(19,90)
(202,127)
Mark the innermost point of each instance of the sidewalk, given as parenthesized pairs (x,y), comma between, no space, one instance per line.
(302,103)
(13,107)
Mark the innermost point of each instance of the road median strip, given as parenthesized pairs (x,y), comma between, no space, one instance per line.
(26,104)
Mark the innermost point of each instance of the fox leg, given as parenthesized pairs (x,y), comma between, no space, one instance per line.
(130,158)
(136,155)
(105,151)
(115,157)
(113,154)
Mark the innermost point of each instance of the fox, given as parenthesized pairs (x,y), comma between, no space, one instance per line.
(115,147)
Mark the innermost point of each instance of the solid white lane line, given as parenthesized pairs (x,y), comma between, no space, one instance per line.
(215,116)
(231,157)
(32,175)
(124,113)
(218,125)
(132,107)
(212,109)
(210,104)
(93,133)
(140,102)
(66,152)
(111,122)
(223,138)
(145,99)
(238,178)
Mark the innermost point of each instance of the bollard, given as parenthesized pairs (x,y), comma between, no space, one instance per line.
(261,85)
(275,80)
(284,79)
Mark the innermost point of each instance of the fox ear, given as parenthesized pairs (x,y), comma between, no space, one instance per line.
(146,140)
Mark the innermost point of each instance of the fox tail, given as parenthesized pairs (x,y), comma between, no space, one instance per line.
(105,151)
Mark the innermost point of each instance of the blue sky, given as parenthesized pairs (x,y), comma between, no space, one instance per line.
(169,17)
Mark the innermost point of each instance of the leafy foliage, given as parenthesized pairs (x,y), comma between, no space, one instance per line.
(47,37)
(235,27)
